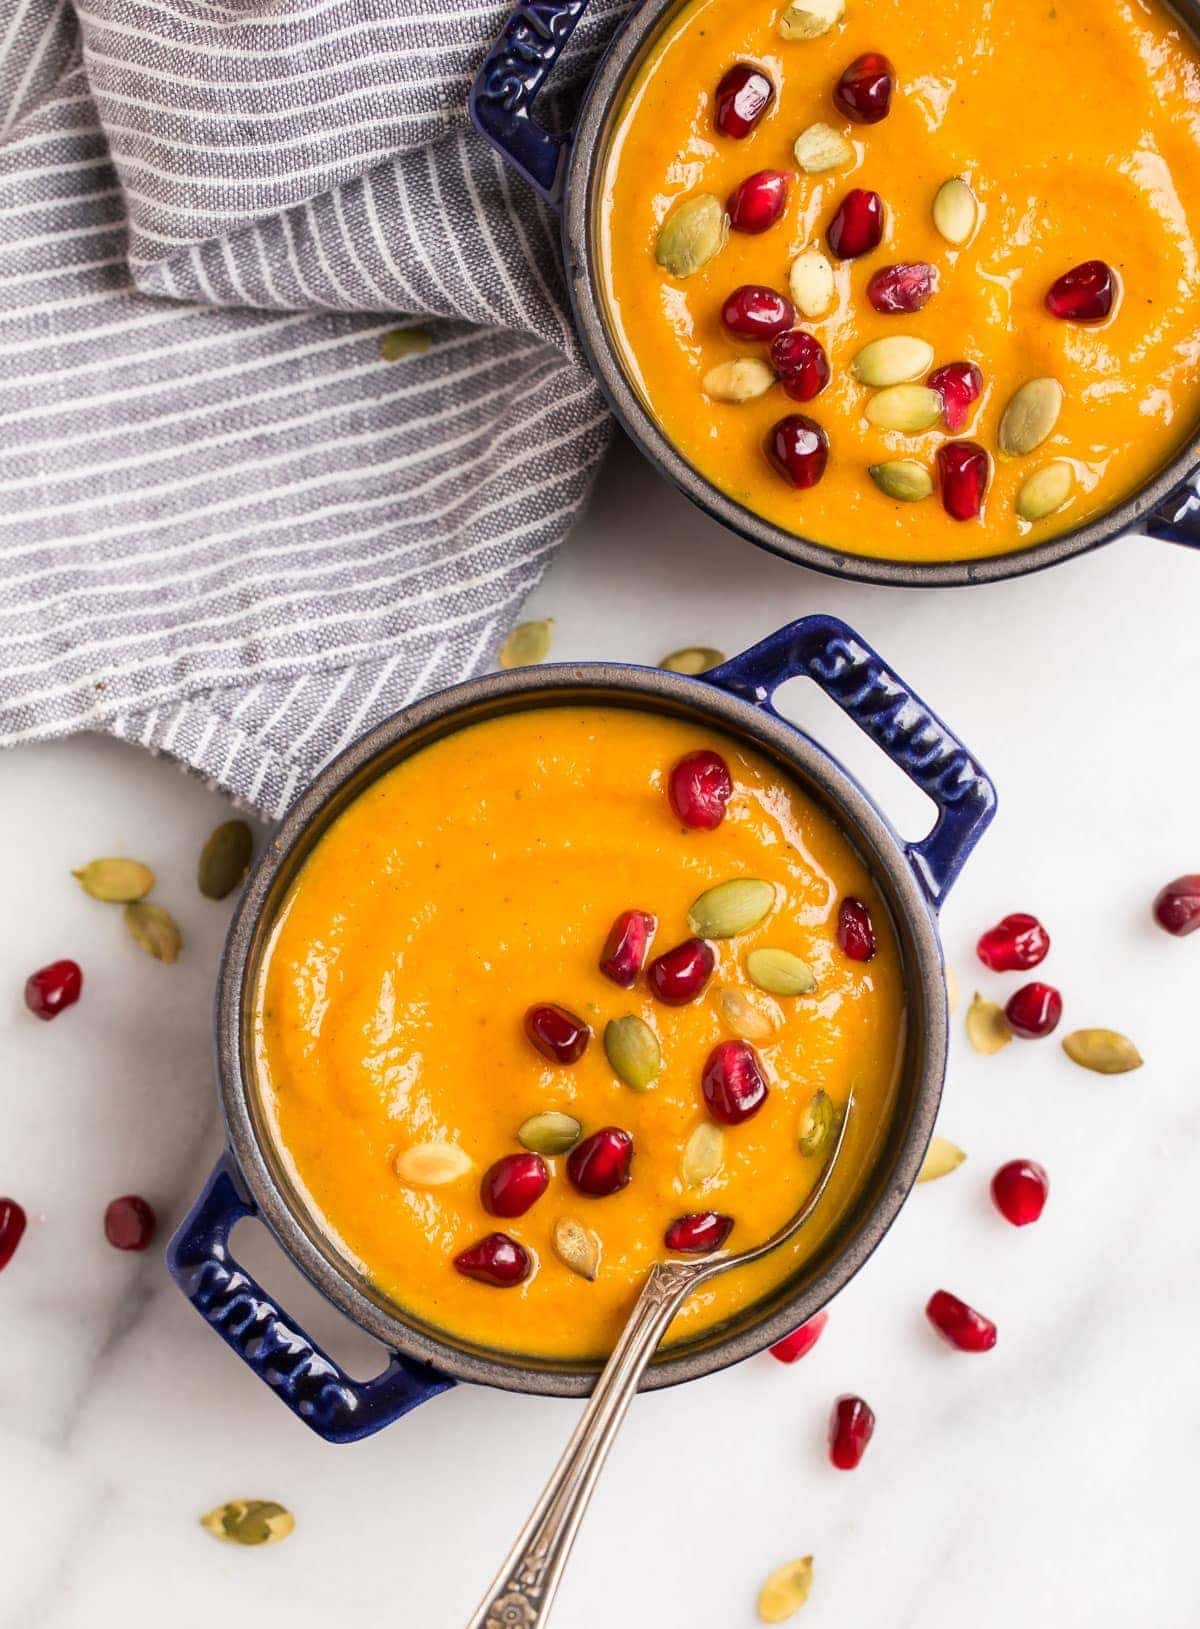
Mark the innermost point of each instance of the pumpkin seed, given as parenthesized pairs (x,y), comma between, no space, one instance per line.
(809,19)
(431,1165)
(742,380)
(941,1158)
(987,1027)
(249,1521)
(908,408)
(1046,490)
(154,929)
(549,1133)
(632,1048)
(527,644)
(955,210)
(693,659)
(902,478)
(1030,416)
(117,882)
(398,343)
(577,1247)
(821,148)
(1106,1051)
(743,1017)
(703,1155)
(780,973)
(785,1591)
(692,234)
(892,361)
(819,1126)
(811,283)
(731,908)
(224,859)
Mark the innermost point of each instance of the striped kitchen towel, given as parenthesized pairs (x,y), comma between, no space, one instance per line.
(229,530)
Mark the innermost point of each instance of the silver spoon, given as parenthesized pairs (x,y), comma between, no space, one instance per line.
(523,1591)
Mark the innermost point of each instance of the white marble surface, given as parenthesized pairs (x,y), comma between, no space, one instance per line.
(1048,1483)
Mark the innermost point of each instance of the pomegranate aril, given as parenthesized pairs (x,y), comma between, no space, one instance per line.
(699,788)
(680,974)
(496,1260)
(963,470)
(513,1184)
(1084,294)
(1177,906)
(1020,1190)
(794,1346)
(1034,1010)
(960,1324)
(864,92)
(959,385)
(850,1430)
(903,288)
(857,224)
(744,93)
(800,361)
(600,1164)
(855,930)
(625,949)
(53,988)
(757,202)
(1017,943)
(556,1033)
(733,1082)
(754,311)
(699,1233)
(129,1223)
(12,1225)
(798,449)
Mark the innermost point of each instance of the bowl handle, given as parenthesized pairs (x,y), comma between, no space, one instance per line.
(1178,518)
(825,650)
(509,81)
(316,1390)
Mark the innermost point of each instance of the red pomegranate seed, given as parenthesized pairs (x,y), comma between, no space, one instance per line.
(699,788)
(905,288)
(799,449)
(744,93)
(850,1430)
(959,385)
(733,1082)
(754,311)
(12,1225)
(1017,943)
(699,1233)
(962,1326)
(1020,1190)
(129,1223)
(599,1165)
(556,1033)
(678,975)
(1084,294)
(855,930)
(800,361)
(794,1346)
(757,202)
(1034,1010)
(864,92)
(625,949)
(513,1184)
(857,224)
(53,988)
(1177,906)
(495,1259)
(963,469)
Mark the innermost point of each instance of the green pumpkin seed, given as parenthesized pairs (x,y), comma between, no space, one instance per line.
(811,283)
(955,210)
(780,973)
(902,478)
(1106,1051)
(892,360)
(703,1155)
(249,1521)
(117,882)
(743,379)
(819,1126)
(785,1591)
(154,929)
(693,659)
(1045,492)
(632,1048)
(908,408)
(692,234)
(809,19)
(577,1247)
(224,859)
(743,1017)
(821,148)
(398,343)
(731,908)
(527,644)
(941,1158)
(549,1132)
(1030,416)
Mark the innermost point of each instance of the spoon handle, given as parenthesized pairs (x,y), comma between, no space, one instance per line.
(523,1591)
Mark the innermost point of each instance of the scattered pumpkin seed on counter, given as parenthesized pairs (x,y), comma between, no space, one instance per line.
(527,644)
(1104,1051)
(154,929)
(785,1591)
(692,659)
(577,1247)
(987,1027)
(550,1132)
(225,859)
(632,1048)
(731,908)
(819,1125)
(692,234)
(115,881)
(941,1157)
(249,1522)
(398,343)
(703,1155)
(779,972)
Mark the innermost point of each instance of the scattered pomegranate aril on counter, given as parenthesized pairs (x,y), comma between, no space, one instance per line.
(798,449)
(756,203)
(1034,1010)
(1017,943)
(699,1233)
(680,974)
(960,1324)
(855,930)
(12,1226)
(1083,294)
(799,359)
(626,948)
(864,91)
(1020,1190)
(754,311)
(513,1184)
(857,224)
(496,1260)
(744,93)
(600,1164)
(801,1341)
(129,1223)
(851,1428)
(53,988)
(556,1033)
(1177,906)
(963,470)
(903,288)
(699,787)
(733,1082)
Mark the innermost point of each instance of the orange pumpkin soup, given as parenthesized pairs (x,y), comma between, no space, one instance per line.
(479,880)
(1016,353)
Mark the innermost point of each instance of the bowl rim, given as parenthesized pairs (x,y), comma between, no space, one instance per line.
(588,684)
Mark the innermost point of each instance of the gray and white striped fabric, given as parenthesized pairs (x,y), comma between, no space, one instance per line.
(228,529)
